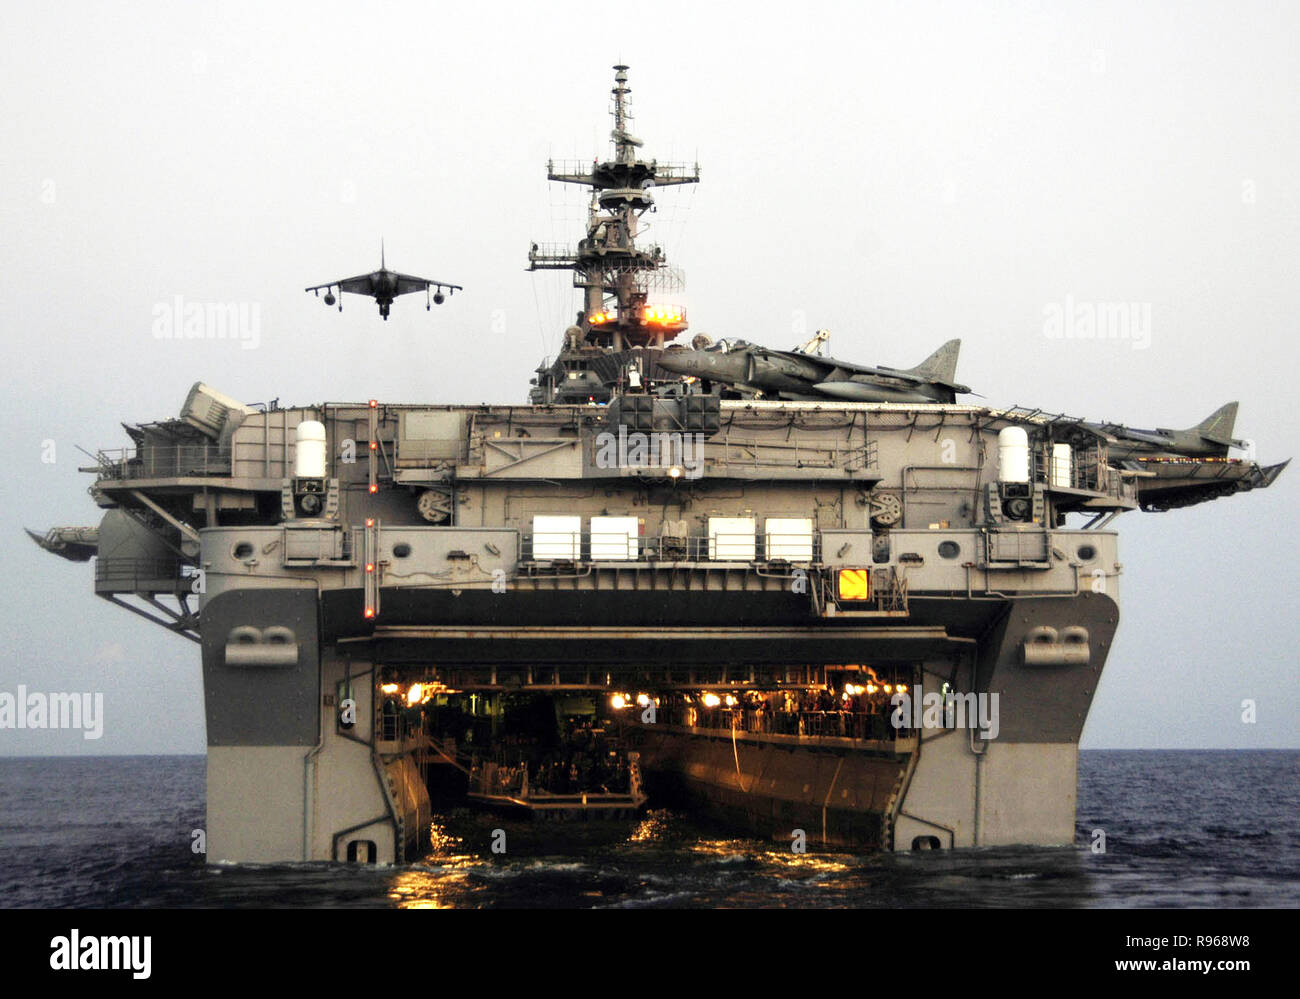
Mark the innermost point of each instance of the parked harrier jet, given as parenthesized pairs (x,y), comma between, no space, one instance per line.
(1210,438)
(797,374)
(383,286)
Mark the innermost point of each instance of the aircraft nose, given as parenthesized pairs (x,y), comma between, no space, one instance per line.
(679,362)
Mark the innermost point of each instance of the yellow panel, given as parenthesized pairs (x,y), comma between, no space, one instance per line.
(855,584)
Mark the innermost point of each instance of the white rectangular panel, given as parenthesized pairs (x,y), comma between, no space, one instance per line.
(557,537)
(789,538)
(614,539)
(731,539)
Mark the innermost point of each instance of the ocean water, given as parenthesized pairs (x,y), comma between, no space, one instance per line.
(1182,829)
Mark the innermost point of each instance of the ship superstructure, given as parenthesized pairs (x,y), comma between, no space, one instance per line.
(743,601)
(625,317)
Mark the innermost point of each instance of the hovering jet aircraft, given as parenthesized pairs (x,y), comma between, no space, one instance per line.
(797,374)
(383,286)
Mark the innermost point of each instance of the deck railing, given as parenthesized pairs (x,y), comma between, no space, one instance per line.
(856,725)
(163,462)
(142,575)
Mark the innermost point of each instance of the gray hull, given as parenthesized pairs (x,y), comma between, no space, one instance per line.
(286,781)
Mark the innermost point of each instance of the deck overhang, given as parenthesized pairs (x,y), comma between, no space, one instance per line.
(634,648)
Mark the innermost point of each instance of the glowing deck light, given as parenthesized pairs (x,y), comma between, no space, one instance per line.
(374,403)
(617,702)
(374,488)
(711,700)
(389,688)
(370,612)
(415,694)
(661,314)
(643,700)
(855,584)
(370,521)
(370,567)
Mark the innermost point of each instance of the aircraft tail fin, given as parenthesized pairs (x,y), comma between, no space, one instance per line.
(941,366)
(1217,427)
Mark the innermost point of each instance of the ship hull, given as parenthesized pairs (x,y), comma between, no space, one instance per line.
(827,797)
(1020,794)
(292,775)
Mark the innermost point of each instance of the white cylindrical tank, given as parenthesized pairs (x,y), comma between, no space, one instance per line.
(309,450)
(1013,455)
(1061,455)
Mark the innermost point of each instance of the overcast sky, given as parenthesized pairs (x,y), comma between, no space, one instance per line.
(897,173)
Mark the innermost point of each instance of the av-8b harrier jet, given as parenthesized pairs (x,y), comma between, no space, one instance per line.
(1210,438)
(383,286)
(802,374)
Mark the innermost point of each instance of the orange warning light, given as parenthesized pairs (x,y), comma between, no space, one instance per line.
(855,584)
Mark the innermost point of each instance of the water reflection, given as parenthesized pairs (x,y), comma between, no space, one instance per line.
(772,857)
(420,888)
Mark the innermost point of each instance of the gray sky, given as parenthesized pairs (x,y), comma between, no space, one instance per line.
(897,173)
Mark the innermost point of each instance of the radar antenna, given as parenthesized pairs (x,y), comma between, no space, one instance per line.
(615,274)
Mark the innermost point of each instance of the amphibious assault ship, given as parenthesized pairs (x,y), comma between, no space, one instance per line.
(868,615)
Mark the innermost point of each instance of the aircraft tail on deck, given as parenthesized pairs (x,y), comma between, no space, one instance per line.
(1217,427)
(941,366)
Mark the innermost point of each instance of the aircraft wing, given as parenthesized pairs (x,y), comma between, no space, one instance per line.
(940,368)
(849,368)
(359,285)
(407,284)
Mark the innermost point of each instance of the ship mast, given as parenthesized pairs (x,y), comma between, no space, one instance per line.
(616,275)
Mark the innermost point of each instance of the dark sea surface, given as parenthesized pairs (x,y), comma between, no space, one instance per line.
(1182,829)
